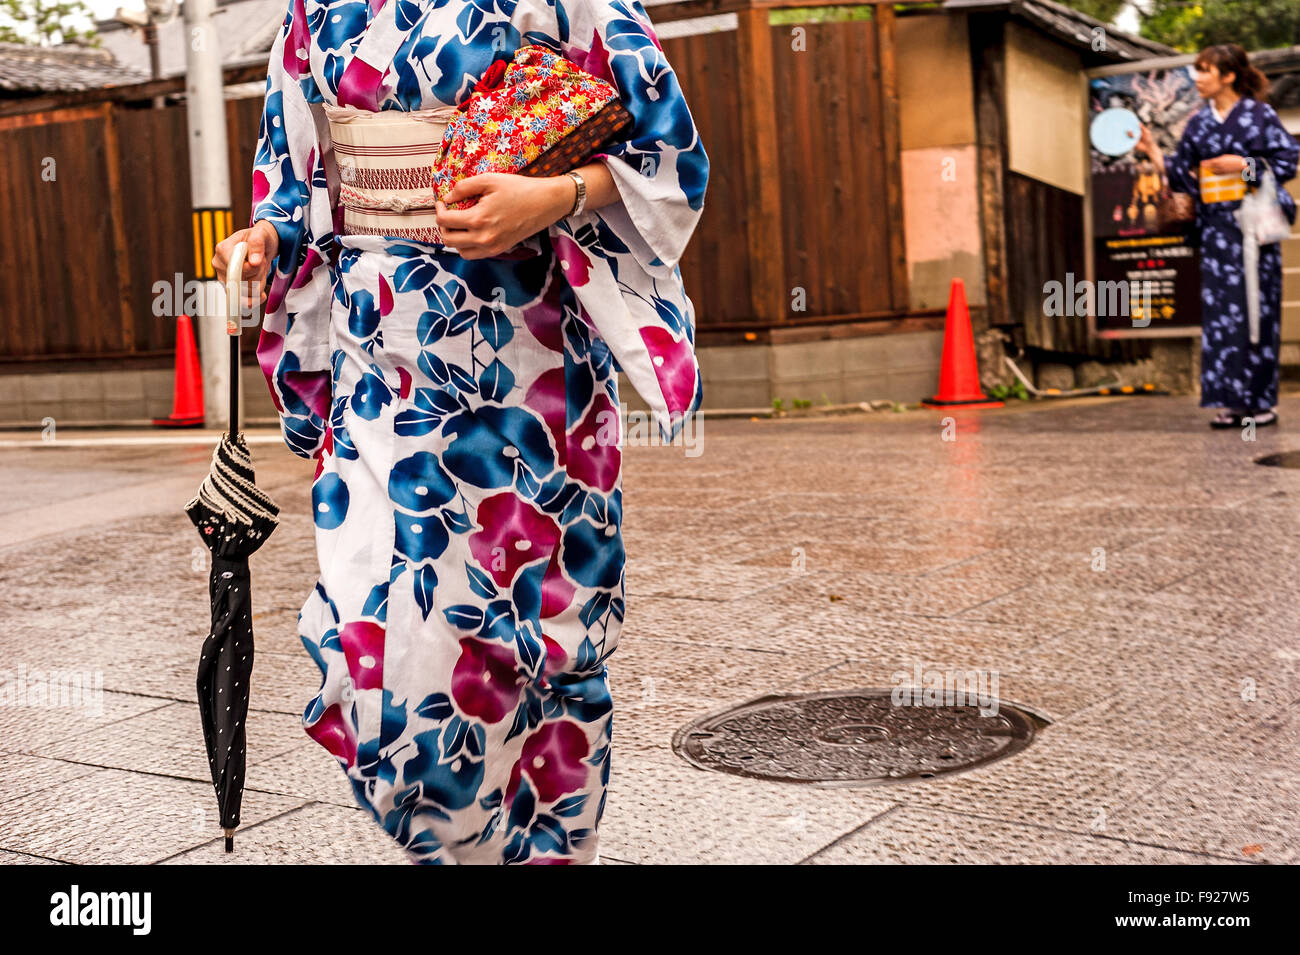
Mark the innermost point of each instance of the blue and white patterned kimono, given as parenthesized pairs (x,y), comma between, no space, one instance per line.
(465,417)
(1235,373)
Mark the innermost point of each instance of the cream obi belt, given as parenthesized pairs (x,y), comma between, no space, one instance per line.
(385,165)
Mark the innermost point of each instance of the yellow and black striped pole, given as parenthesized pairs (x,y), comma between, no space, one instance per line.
(210,227)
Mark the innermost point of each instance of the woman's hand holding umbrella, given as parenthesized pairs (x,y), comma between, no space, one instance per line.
(263,246)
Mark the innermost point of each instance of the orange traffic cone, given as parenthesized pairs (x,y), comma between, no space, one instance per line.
(187,390)
(959,377)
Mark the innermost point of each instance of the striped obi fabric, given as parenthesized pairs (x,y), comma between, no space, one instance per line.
(385,164)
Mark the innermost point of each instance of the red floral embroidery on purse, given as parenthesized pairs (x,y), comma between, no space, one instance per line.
(540,115)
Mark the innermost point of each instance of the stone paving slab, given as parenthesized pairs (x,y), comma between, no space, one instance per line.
(909,835)
(32,728)
(819,554)
(306,771)
(169,742)
(1061,782)
(310,835)
(1220,808)
(18,858)
(658,687)
(115,816)
(794,622)
(1224,729)
(22,776)
(663,810)
(950,590)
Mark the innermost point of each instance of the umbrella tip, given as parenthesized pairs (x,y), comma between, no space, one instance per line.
(230,840)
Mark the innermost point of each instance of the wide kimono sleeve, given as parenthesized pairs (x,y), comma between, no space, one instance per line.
(1279,150)
(1181,167)
(291,191)
(622,259)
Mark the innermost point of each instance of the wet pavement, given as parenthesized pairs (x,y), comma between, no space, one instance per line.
(1127,574)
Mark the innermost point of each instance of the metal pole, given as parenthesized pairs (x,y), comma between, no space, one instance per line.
(155,55)
(209,195)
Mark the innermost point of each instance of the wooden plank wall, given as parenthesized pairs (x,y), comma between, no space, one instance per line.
(832,169)
(828,165)
(1044,242)
(77,279)
(715,267)
(58,291)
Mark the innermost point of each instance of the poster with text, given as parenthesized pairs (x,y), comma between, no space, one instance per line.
(1145,262)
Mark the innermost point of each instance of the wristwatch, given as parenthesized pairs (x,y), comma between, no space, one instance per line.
(580,201)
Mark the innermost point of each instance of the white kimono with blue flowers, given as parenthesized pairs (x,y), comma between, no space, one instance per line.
(464,415)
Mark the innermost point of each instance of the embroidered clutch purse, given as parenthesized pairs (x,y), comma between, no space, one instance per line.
(540,115)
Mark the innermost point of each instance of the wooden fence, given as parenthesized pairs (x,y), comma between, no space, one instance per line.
(804,192)
(97,203)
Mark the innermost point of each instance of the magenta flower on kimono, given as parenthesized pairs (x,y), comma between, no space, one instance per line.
(298,42)
(555,658)
(594,61)
(674,363)
(546,398)
(552,760)
(545,320)
(594,456)
(485,683)
(363,646)
(514,533)
(557,592)
(336,734)
(573,260)
(261,186)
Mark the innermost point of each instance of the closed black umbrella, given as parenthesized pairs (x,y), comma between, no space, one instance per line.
(234,518)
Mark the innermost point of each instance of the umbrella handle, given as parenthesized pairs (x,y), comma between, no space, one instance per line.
(234,308)
(234,297)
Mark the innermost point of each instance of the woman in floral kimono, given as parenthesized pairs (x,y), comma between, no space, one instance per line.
(460,397)
(1235,131)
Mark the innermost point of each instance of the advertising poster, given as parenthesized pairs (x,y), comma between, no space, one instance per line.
(1145,266)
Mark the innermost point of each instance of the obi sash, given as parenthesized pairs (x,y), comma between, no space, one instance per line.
(384,162)
(1220,187)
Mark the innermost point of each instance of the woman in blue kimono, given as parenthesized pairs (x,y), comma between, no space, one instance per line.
(1235,131)
(462,404)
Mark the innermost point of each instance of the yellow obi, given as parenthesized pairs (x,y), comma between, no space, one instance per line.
(1220,188)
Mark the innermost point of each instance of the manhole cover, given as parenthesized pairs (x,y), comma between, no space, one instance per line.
(851,737)
(1283,459)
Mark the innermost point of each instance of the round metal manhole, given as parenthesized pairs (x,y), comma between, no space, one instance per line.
(1283,459)
(852,738)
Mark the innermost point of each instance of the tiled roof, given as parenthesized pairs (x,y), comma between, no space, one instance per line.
(1069,26)
(26,68)
(246,30)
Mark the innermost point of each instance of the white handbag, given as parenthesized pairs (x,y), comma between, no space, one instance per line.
(1261,213)
(1262,222)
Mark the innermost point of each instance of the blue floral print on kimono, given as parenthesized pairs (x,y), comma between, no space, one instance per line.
(1234,372)
(465,419)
